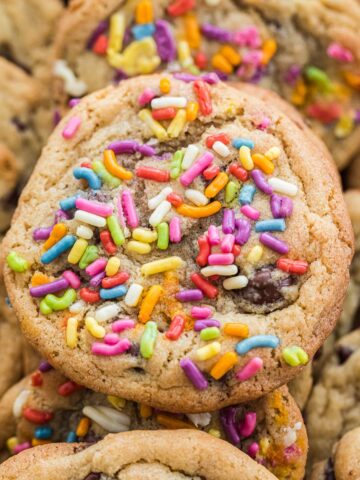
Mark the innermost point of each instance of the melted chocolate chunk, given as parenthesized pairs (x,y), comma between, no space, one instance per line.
(20,125)
(329,470)
(344,353)
(93,476)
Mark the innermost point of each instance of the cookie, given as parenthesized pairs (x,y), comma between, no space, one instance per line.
(139,454)
(9,177)
(333,407)
(176,258)
(271,428)
(101,42)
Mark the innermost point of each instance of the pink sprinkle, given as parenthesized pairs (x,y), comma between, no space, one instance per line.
(252,58)
(227,243)
(129,208)
(221,259)
(97,208)
(264,124)
(96,267)
(111,339)
(201,313)
(248,36)
(108,350)
(146,96)
(121,325)
(253,449)
(247,426)
(250,212)
(72,278)
(337,51)
(250,369)
(213,235)
(196,168)
(120,212)
(21,447)
(71,127)
(175,230)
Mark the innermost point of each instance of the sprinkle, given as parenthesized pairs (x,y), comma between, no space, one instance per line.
(272,225)
(245,157)
(165,42)
(90,219)
(190,295)
(216,185)
(160,266)
(84,232)
(91,254)
(115,280)
(229,424)
(106,177)
(192,110)
(211,172)
(144,235)
(228,223)
(257,341)
(148,340)
(146,96)
(57,233)
(152,173)
(199,212)
(235,283)
(60,247)
(243,231)
(281,207)
(204,252)
(344,126)
(149,302)
(238,172)
(176,327)
(158,130)
(143,31)
(209,333)
(115,230)
(129,208)
(242,142)
(263,163)
(196,168)
(77,251)
(133,295)
(184,54)
(109,350)
(295,356)
(112,166)
(89,175)
(205,286)
(112,293)
(165,102)
(175,165)
(221,259)
(213,235)
(16,262)
(274,243)
(71,127)
(199,325)
(337,51)
(73,86)
(319,77)
(247,426)
(250,212)
(52,303)
(43,433)
(89,296)
(194,374)
(255,254)
(163,235)
(282,186)
(231,191)
(97,279)
(202,93)
(41,233)
(171,422)
(227,243)
(292,266)
(71,332)
(236,330)
(159,213)
(116,32)
(201,312)
(264,124)
(106,312)
(222,270)
(112,266)
(68,388)
(52,287)
(39,417)
(261,182)
(175,230)
(164,113)
(221,149)
(160,197)
(83,427)
(190,155)
(94,328)
(196,197)
(208,351)
(254,365)
(213,32)
(223,365)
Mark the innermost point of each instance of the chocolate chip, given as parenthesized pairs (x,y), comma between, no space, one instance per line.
(93,476)
(329,470)
(20,125)
(344,353)
(134,350)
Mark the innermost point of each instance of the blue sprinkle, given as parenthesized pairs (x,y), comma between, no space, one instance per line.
(89,175)
(8,303)
(69,202)
(143,31)
(43,433)
(247,194)
(257,341)
(273,225)
(239,142)
(71,437)
(110,293)
(60,247)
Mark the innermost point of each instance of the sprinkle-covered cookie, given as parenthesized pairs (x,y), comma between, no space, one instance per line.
(188,263)
(101,42)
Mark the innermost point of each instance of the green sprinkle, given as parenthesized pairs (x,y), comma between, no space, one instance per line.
(295,356)
(175,165)
(52,303)
(17,263)
(105,176)
(209,333)
(44,307)
(193,69)
(319,77)
(231,191)
(115,230)
(148,339)
(90,254)
(163,235)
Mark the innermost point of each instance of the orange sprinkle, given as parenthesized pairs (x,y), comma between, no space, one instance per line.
(222,366)
(219,62)
(39,278)
(199,212)
(263,163)
(35,442)
(145,411)
(83,427)
(192,31)
(231,55)
(192,110)
(57,233)
(268,50)
(144,12)
(171,422)
(149,302)
(114,168)
(236,330)
(216,185)
(352,79)
(165,85)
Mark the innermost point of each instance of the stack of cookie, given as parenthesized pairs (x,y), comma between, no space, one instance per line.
(182,249)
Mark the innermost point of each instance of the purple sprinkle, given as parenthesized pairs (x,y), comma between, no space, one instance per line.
(243,231)
(52,287)
(73,102)
(123,146)
(194,374)
(146,150)
(42,233)
(213,32)
(258,75)
(119,76)
(164,40)
(222,76)
(281,207)
(96,279)
(292,74)
(211,78)
(357,116)
(100,29)
(228,419)
(228,223)
(61,215)
(210,322)
(190,295)
(274,243)
(185,77)
(45,366)
(56,117)
(260,181)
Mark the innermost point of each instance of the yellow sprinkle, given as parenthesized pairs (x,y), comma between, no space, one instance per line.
(344,126)
(144,235)
(268,50)
(77,250)
(219,62)
(138,247)
(83,427)
(165,85)
(145,411)
(160,266)
(245,157)
(116,402)
(273,153)
(35,442)
(112,266)
(11,443)
(264,445)
(157,129)
(255,254)
(138,58)
(209,351)
(215,433)
(144,12)
(192,31)
(222,366)
(116,33)
(94,328)
(184,54)
(192,109)
(299,93)
(231,55)
(177,124)
(71,332)
(149,302)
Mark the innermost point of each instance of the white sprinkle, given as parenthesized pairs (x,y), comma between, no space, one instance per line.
(84,232)
(90,218)
(235,282)
(223,270)
(73,85)
(77,307)
(221,149)
(199,419)
(290,437)
(190,155)
(165,102)
(107,312)
(108,418)
(282,186)
(196,197)
(133,295)
(19,403)
(155,201)
(159,213)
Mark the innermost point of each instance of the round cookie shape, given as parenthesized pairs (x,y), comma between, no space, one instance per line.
(267,298)
(270,429)
(101,42)
(139,454)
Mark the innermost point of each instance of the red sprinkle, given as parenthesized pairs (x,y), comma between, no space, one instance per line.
(211,172)
(201,60)
(219,137)
(214,278)
(151,173)
(180,6)
(204,252)
(292,266)
(175,199)
(37,416)
(202,92)
(117,279)
(89,296)
(86,165)
(236,250)
(107,242)
(36,379)
(164,113)
(100,46)
(238,172)
(324,112)
(68,388)
(204,285)
(176,327)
